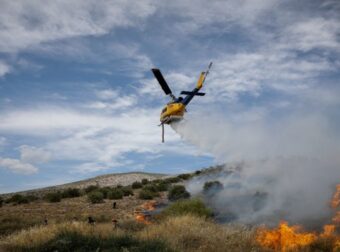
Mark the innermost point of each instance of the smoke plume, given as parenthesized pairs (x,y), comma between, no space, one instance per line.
(278,169)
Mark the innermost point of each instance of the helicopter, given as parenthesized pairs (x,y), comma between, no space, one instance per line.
(175,109)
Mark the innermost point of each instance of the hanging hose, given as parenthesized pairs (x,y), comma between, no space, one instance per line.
(162,132)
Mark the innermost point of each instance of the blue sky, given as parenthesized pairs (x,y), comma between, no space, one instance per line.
(77,98)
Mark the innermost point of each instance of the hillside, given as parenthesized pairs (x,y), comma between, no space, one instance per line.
(113,179)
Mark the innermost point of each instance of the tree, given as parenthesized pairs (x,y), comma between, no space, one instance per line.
(115,194)
(53,197)
(178,192)
(212,186)
(95,197)
(136,185)
(145,181)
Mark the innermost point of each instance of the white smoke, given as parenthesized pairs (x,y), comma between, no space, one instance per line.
(285,168)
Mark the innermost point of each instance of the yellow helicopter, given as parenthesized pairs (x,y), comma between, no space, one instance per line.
(175,109)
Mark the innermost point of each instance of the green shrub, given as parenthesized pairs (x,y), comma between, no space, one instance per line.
(105,191)
(147,194)
(150,187)
(115,194)
(31,197)
(212,186)
(172,180)
(185,176)
(18,199)
(1,201)
(198,172)
(178,192)
(184,207)
(136,185)
(53,197)
(127,191)
(95,197)
(163,186)
(145,181)
(71,193)
(91,188)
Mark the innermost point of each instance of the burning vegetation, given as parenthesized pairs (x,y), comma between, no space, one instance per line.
(293,238)
(143,214)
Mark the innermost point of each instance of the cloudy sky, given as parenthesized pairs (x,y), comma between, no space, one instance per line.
(77,98)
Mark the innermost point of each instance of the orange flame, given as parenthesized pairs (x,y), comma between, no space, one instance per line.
(140,215)
(284,238)
(336,197)
(287,238)
(150,205)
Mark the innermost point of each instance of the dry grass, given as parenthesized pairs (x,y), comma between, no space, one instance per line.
(191,233)
(17,217)
(184,233)
(39,235)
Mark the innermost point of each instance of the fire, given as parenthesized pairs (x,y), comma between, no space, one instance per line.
(141,217)
(292,238)
(328,230)
(335,203)
(150,205)
(141,214)
(284,238)
(336,218)
(336,197)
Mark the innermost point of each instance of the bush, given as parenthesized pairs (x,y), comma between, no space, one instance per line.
(184,176)
(136,185)
(162,186)
(115,194)
(91,188)
(145,181)
(172,180)
(31,198)
(147,195)
(183,207)
(1,201)
(198,172)
(53,197)
(127,191)
(105,191)
(178,192)
(212,186)
(18,199)
(151,187)
(95,197)
(70,193)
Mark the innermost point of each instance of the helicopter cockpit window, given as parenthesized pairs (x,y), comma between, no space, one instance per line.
(164,110)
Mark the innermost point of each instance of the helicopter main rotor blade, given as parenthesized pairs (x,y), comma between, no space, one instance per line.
(158,75)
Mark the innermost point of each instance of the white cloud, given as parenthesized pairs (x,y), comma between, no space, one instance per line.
(34,155)
(17,166)
(26,24)
(119,103)
(4,68)
(313,33)
(98,141)
(106,94)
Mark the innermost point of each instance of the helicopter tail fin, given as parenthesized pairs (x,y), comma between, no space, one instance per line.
(200,80)
(202,77)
